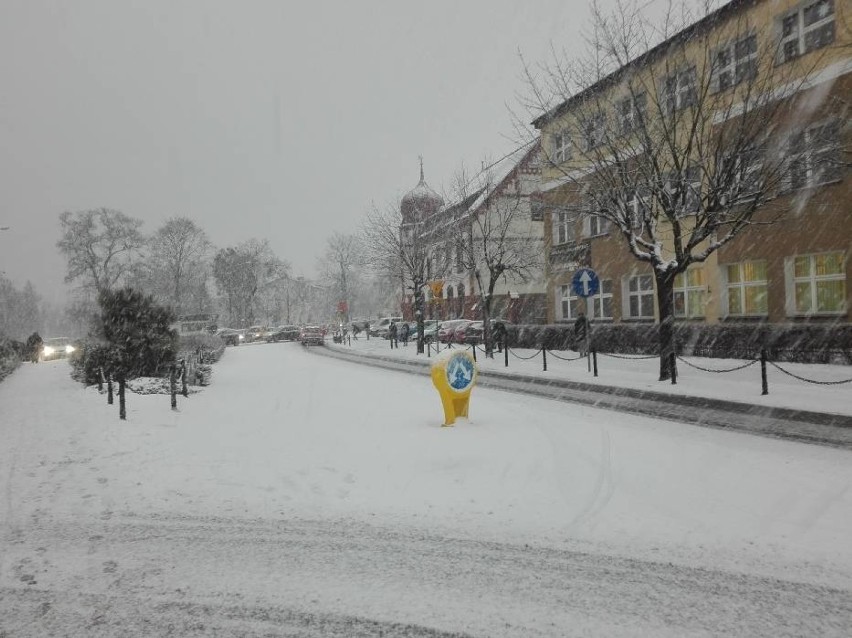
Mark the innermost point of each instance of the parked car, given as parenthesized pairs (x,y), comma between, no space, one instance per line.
(57,348)
(230,336)
(474,332)
(447,329)
(256,333)
(380,328)
(460,332)
(312,335)
(284,333)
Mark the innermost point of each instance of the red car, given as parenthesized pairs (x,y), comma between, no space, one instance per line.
(447,333)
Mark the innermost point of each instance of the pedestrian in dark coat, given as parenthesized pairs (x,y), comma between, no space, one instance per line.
(581,334)
(403,333)
(34,345)
(392,335)
(499,335)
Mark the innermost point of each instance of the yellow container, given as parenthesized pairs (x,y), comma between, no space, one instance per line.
(454,374)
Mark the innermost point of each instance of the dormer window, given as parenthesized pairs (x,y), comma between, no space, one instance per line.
(561,147)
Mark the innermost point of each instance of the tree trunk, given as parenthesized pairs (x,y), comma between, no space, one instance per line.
(418,316)
(665,306)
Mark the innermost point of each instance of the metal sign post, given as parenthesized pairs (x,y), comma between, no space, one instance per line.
(585,283)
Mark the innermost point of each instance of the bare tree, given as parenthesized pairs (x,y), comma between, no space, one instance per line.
(338,267)
(100,246)
(496,237)
(20,312)
(402,246)
(178,262)
(675,135)
(242,273)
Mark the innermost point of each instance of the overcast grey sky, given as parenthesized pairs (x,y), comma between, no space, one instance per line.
(259,118)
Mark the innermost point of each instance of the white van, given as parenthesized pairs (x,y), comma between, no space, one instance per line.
(380,329)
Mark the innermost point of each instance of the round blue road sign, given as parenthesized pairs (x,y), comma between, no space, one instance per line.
(585,282)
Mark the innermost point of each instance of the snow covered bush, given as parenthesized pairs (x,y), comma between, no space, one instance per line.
(11,354)
(89,359)
(208,348)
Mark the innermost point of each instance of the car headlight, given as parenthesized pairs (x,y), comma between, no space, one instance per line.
(69,349)
(48,351)
(241,337)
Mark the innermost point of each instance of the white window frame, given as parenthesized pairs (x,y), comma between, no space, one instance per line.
(689,291)
(643,296)
(562,146)
(798,35)
(595,130)
(599,301)
(741,287)
(630,112)
(562,228)
(813,279)
(595,225)
(746,171)
(679,90)
(573,303)
(740,63)
(692,182)
(811,147)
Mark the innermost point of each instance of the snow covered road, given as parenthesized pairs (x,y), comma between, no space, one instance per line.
(309,497)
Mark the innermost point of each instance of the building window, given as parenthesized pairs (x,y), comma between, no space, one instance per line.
(561,147)
(819,284)
(595,130)
(563,228)
(678,91)
(536,210)
(640,297)
(594,225)
(631,112)
(690,293)
(806,29)
(684,191)
(814,156)
(636,203)
(735,63)
(570,304)
(739,176)
(747,289)
(601,306)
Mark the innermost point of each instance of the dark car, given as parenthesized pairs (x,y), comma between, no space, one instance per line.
(474,332)
(312,335)
(284,333)
(230,336)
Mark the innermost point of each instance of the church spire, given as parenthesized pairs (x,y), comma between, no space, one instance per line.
(422,179)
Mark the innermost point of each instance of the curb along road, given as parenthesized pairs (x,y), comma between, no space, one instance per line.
(798,425)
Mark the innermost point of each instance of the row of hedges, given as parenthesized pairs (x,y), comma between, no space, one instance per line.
(209,348)
(806,343)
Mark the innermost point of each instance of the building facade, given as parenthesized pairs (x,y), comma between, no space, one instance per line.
(789,262)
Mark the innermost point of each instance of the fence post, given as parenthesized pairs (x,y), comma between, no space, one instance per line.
(109,387)
(122,411)
(543,359)
(763,380)
(595,361)
(473,348)
(100,379)
(506,356)
(673,366)
(173,385)
(184,389)
(428,349)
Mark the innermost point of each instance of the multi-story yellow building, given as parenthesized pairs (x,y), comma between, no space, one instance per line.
(714,166)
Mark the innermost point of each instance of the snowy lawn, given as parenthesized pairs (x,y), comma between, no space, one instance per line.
(742,385)
(283,433)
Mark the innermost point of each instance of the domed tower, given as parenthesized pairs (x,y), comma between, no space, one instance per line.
(420,202)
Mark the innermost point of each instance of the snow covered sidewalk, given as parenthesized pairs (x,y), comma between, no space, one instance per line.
(729,380)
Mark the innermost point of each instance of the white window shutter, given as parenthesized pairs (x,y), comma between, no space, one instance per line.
(789,287)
